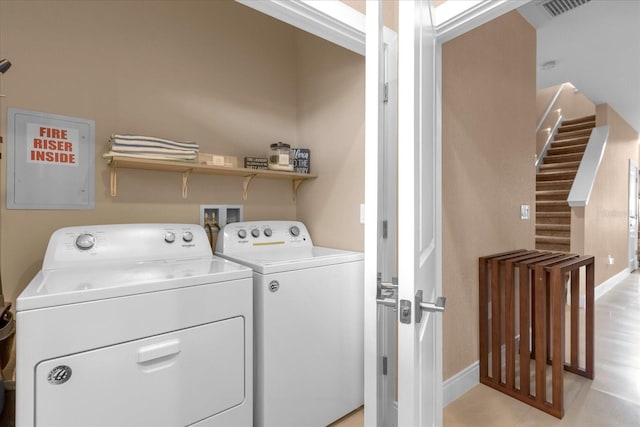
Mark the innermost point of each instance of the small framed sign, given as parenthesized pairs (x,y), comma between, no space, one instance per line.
(50,161)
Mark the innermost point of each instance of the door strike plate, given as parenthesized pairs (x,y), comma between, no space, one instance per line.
(405,311)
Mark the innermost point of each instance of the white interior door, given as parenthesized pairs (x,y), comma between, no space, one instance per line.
(419,233)
(633,215)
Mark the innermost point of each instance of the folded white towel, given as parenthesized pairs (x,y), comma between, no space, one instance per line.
(148,141)
(151,156)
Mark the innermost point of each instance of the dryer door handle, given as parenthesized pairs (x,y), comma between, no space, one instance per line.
(158,351)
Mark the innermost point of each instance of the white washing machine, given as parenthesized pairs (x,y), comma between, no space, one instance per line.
(308,323)
(135,325)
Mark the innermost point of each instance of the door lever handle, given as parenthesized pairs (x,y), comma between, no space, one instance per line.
(437,307)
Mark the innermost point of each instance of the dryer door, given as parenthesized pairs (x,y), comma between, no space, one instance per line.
(173,379)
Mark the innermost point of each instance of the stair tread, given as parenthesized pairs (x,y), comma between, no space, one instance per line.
(553,239)
(590,118)
(557,227)
(576,126)
(569,141)
(553,214)
(568,149)
(573,134)
(563,158)
(565,165)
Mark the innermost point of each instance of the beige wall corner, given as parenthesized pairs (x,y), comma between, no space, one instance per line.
(330,121)
(489,119)
(606,215)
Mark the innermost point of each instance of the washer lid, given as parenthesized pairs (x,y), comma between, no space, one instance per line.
(276,260)
(51,288)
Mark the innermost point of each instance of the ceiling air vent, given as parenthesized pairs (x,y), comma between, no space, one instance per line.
(558,7)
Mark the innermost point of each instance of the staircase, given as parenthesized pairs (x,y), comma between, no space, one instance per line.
(554,180)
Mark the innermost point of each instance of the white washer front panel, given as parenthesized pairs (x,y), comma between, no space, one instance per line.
(173,379)
(309,345)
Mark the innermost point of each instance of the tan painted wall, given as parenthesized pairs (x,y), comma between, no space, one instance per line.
(331,123)
(213,71)
(606,215)
(489,113)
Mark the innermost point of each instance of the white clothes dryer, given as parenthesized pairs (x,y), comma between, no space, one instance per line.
(135,325)
(308,317)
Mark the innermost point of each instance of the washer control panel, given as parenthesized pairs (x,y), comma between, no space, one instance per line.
(241,236)
(130,242)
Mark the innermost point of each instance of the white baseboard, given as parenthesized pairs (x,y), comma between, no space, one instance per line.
(606,286)
(460,383)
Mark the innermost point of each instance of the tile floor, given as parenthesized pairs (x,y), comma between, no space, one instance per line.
(612,399)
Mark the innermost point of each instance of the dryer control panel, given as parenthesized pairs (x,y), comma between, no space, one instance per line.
(251,235)
(125,242)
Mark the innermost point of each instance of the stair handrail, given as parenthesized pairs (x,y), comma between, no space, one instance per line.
(549,107)
(547,144)
(588,169)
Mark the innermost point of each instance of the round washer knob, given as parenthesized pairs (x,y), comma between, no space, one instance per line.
(255,233)
(170,237)
(268,232)
(187,236)
(242,234)
(294,230)
(85,241)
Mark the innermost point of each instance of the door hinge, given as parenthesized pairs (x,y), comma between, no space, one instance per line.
(385,96)
(384,365)
(385,229)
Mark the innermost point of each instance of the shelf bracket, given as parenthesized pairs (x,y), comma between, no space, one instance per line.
(245,185)
(114,182)
(185,183)
(295,183)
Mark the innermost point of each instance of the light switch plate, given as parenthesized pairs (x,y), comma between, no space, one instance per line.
(524,212)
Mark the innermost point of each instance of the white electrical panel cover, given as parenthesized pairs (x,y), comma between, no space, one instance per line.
(50,161)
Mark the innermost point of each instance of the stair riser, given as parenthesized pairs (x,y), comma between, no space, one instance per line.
(569,142)
(553,185)
(574,134)
(556,176)
(552,197)
(553,220)
(553,233)
(552,247)
(553,208)
(574,149)
(579,126)
(556,166)
(591,118)
(563,158)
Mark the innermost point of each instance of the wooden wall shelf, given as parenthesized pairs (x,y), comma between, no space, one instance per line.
(187,169)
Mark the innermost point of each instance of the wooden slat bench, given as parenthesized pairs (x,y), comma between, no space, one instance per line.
(532,326)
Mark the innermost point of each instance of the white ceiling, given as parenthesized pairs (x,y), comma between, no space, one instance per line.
(597,48)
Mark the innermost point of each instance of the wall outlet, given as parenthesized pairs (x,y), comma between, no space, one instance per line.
(525,212)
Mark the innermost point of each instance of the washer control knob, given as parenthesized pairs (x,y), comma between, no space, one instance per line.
(242,233)
(255,233)
(187,236)
(294,231)
(85,242)
(268,232)
(170,237)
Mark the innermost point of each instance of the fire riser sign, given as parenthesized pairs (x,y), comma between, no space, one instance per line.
(52,145)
